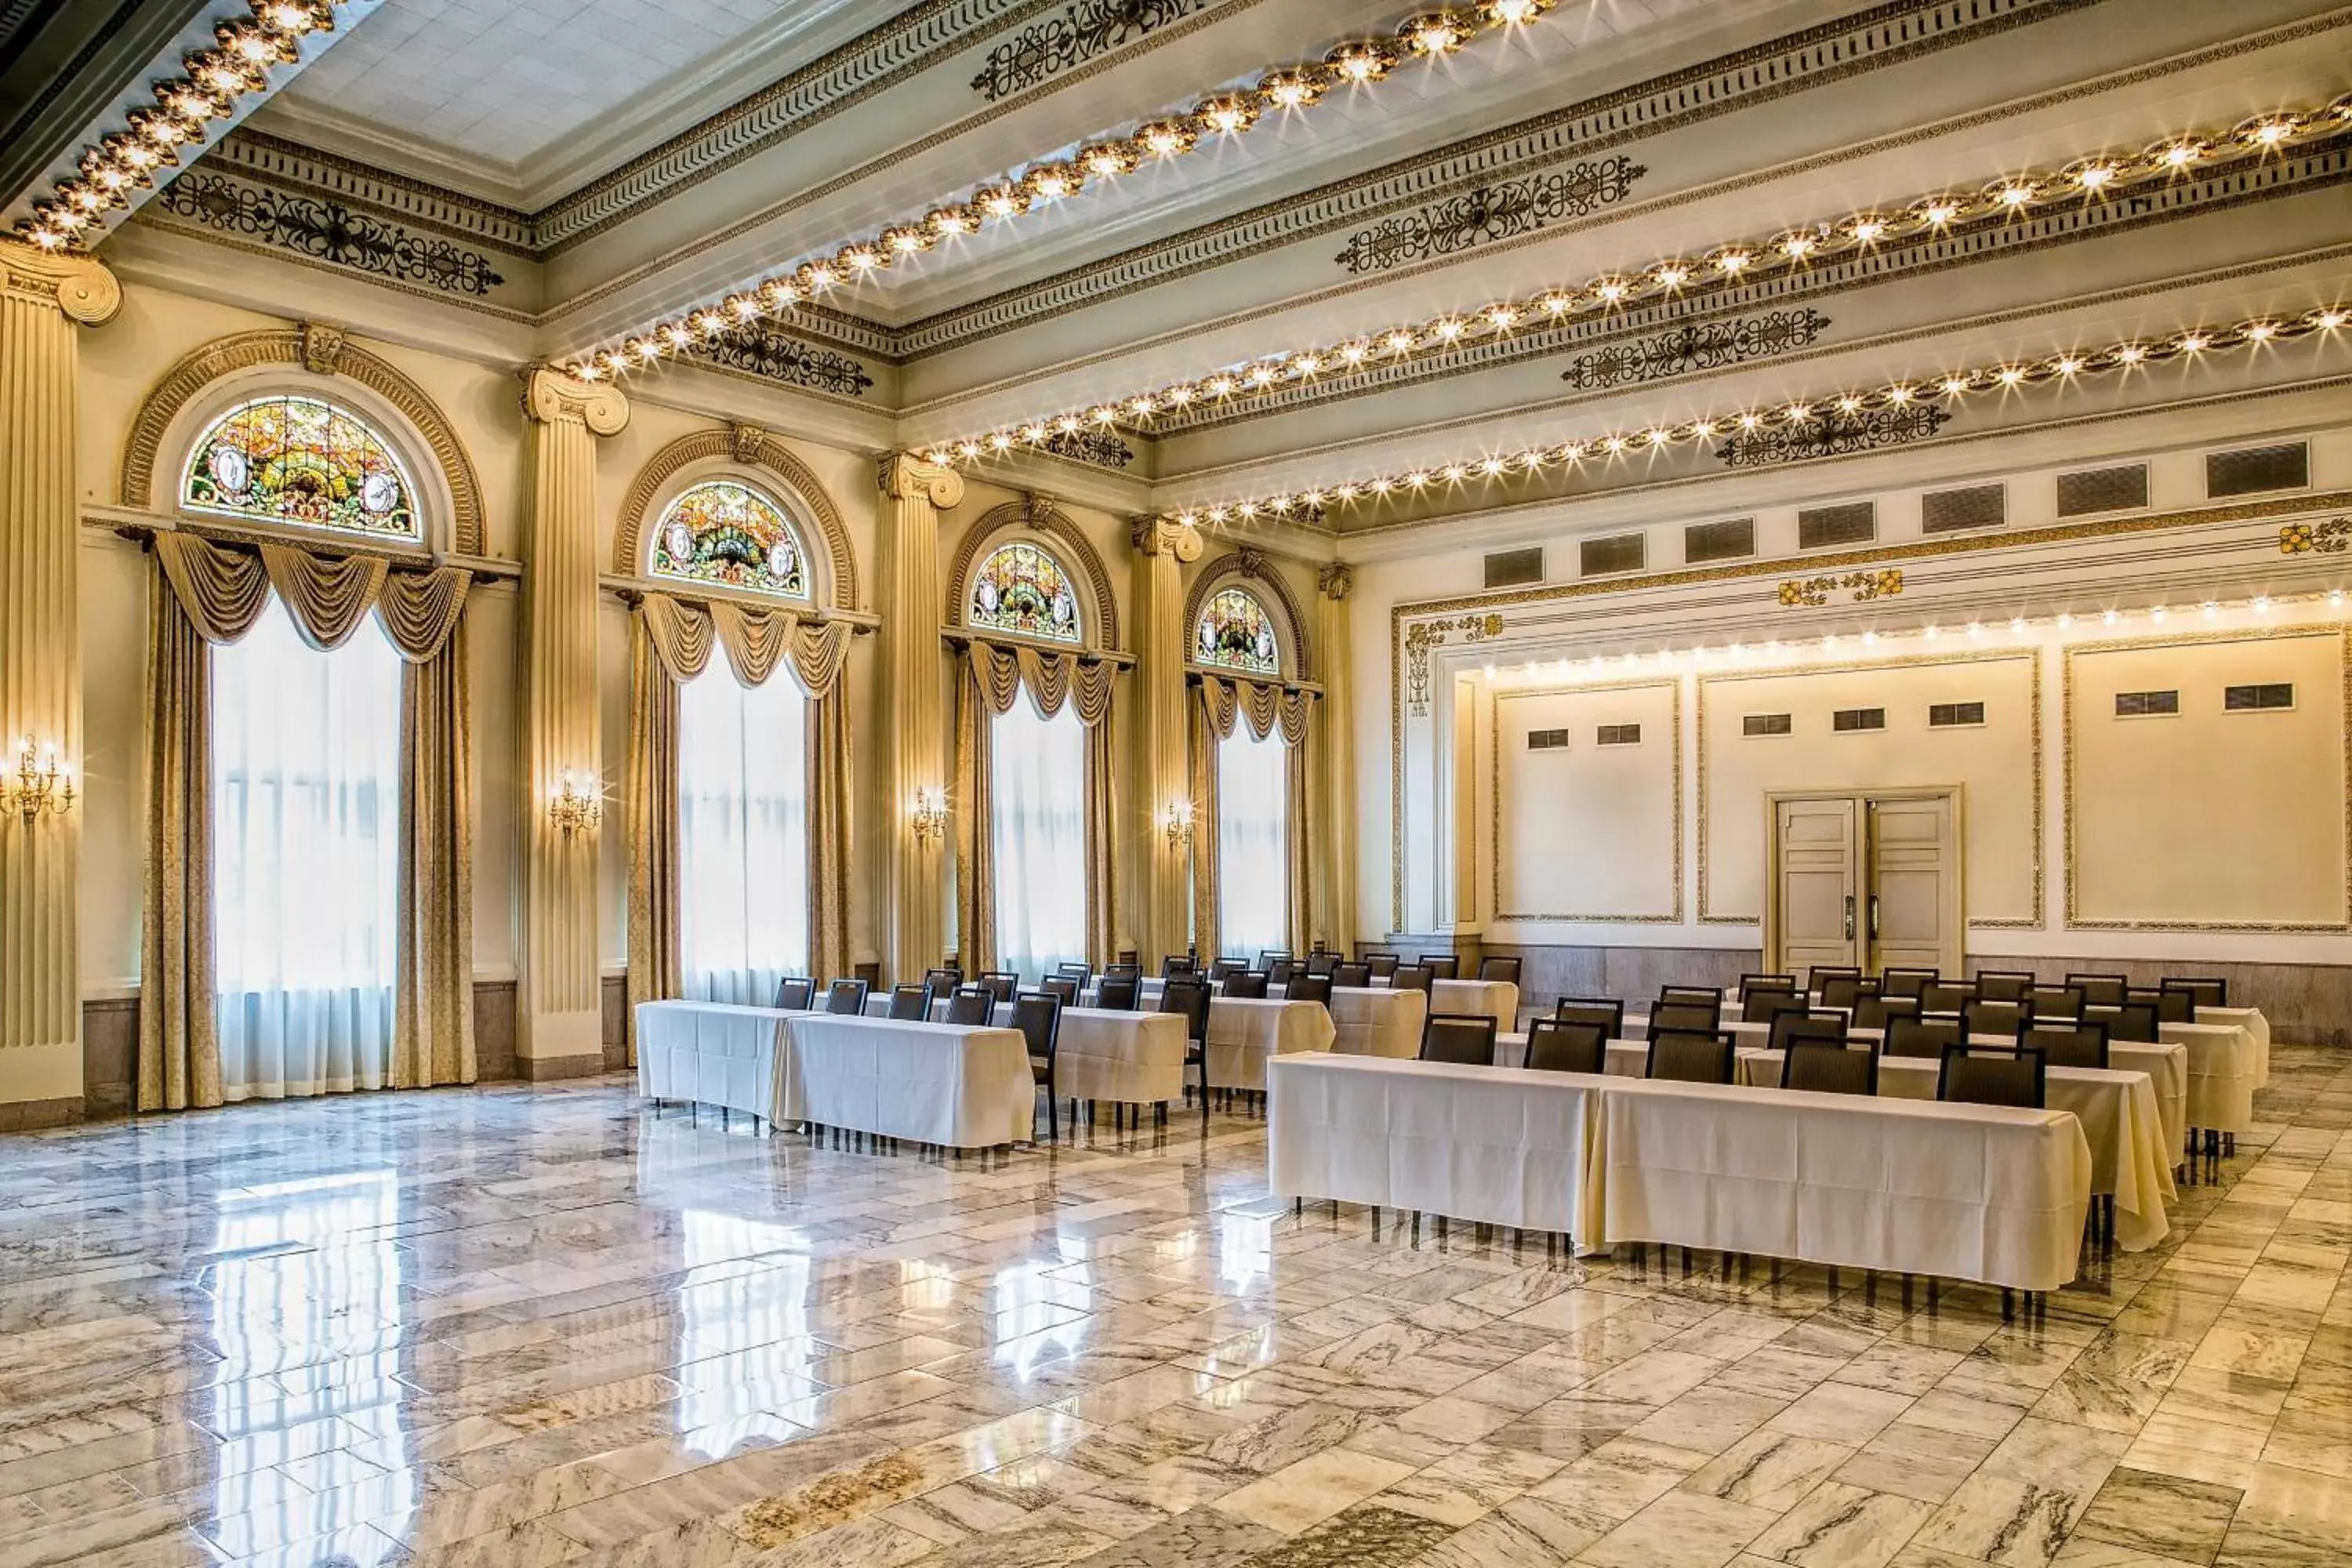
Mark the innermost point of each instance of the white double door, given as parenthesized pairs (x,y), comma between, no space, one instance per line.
(1865,878)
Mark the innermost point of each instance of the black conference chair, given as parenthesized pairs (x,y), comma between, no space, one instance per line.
(1921,1037)
(1828,1069)
(795,993)
(2208,991)
(1501,968)
(1876,1012)
(2134,1021)
(2171,1006)
(1267,956)
(1752,982)
(846,998)
(2057,1001)
(1282,972)
(1189,999)
(2101,990)
(1605,1011)
(1690,1056)
(1758,1006)
(911,1004)
(1683,1017)
(1224,969)
(1691,995)
(1249,984)
(1842,991)
(1441,965)
(1911,982)
(1465,1039)
(942,981)
(1122,971)
(2004,985)
(972,1006)
(2067,1043)
(1793,1024)
(1381,961)
(1309,988)
(1410,977)
(1084,973)
(1175,964)
(1064,988)
(1323,960)
(1003,983)
(1557,1045)
(1946,995)
(1818,975)
(1981,1075)
(1355,976)
(1038,1016)
(1117,996)
(1983,1016)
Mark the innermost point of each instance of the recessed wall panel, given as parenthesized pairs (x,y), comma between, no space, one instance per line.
(1589,832)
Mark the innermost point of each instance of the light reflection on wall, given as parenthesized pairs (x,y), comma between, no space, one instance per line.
(745,1349)
(307,1288)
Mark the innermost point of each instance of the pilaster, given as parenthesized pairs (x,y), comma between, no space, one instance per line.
(559,1008)
(1334,756)
(914,703)
(1160,774)
(43,297)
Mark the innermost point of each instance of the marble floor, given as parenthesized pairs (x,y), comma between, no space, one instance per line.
(532,1326)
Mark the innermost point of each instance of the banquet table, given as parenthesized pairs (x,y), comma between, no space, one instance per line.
(2258,1031)
(959,1086)
(1372,1022)
(1106,1054)
(1244,1031)
(1496,999)
(711,1053)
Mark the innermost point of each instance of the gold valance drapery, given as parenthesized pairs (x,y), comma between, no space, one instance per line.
(223,592)
(758,639)
(1257,703)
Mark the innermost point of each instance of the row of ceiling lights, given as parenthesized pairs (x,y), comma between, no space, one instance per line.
(1430,35)
(2124,355)
(2093,178)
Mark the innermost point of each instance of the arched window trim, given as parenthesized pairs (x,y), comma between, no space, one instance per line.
(1073,584)
(1271,626)
(795,529)
(1252,572)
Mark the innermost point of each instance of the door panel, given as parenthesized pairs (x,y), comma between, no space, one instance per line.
(1813,886)
(1914,862)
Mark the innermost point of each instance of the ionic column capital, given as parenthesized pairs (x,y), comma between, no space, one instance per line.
(77,283)
(551,397)
(903,476)
(1336,581)
(1165,536)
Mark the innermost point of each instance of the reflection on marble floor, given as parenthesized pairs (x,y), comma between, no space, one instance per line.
(533,1326)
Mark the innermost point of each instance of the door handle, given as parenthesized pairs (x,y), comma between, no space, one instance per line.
(1874,917)
(1849,916)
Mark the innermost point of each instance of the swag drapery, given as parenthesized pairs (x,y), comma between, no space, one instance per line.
(1266,710)
(672,646)
(203,595)
(990,679)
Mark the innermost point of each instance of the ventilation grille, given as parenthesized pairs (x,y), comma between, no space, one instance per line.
(1978,506)
(1719,541)
(1826,527)
(1620,552)
(1617,735)
(2146,704)
(1546,740)
(1846,719)
(2120,488)
(1950,715)
(1765,724)
(2252,699)
(1509,568)
(2250,470)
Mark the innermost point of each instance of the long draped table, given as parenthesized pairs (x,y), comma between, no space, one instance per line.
(711,1053)
(1378,1023)
(1106,1054)
(1246,1032)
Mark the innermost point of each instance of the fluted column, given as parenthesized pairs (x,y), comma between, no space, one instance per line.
(1160,773)
(559,1008)
(1335,759)
(43,299)
(914,704)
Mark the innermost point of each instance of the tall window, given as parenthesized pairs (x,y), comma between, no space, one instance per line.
(1038,780)
(1235,633)
(306,859)
(1252,842)
(1020,588)
(742,834)
(299,460)
(730,533)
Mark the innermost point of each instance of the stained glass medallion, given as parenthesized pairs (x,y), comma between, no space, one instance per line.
(1236,633)
(1020,588)
(299,459)
(721,531)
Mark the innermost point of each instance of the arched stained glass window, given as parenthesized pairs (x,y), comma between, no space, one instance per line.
(1235,633)
(1020,588)
(291,458)
(723,531)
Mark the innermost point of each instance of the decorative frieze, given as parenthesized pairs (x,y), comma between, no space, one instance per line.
(1043,49)
(329,231)
(2333,537)
(770,355)
(1831,434)
(1423,636)
(1843,587)
(1103,448)
(1694,346)
(1484,214)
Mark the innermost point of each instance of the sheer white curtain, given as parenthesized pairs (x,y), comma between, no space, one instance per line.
(1253,842)
(1037,773)
(742,834)
(306,859)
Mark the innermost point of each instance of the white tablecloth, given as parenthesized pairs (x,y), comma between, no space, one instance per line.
(1244,1031)
(2166,1065)
(1624,1058)
(1969,1191)
(1475,1144)
(2130,1155)
(2224,1071)
(711,1053)
(1373,1022)
(1138,1057)
(965,1088)
(2258,1030)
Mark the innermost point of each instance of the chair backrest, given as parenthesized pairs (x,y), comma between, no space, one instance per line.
(1902,982)
(1828,1068)
(846,996)
(1381,961)
(2100,990)
(1921,1037)
(1003,981)
(1760,1006)
(942,981)
(1189,999)
(1248,983)
(1467,1039)
(1605,1011)
(1064,988)
(1844,990)
(1690,995)
(1556,1044)
(972,1005)
(1988,1075)
(2210,990)
(1876,1012)
(1357,975)
(1224,968)
(1118,994)
(1794,1024)
(1281,971)
(1266,956)
(2134,1020)
(1751,982)
(1084,973)
(910,1003)
(1690,1056)
(1683,1015)
(1122,971)
(1981,1017)
(1441,965)
(2068,1043)
(2058,1001)
(1410,977)
(1309,988)
(1946,995)
(2004,985)
(1323,960)
(2172,1006)
(795,993)
(1501,967)
(1816,974)
(1175,964)
(1038,1016)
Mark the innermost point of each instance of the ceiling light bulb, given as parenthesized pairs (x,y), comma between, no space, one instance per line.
(1865,230)
(2270,132)
(1611,289)
(1032,434)
(2262,604)
(1898,394)
(2065,620)
(1749,420)
(2130,353)
(1492,466)
(2016,195)
(2109,617)
(1501,317)
(2208,609)
(1001,202)
(2327,321)
(2158,615)
(1732,262)
(1354,353)
(1614,444)
(1247,510)
(1417,479)
(967,451)
(2096,177)
(1447,329)
(1558,304)
(2193,343)
(2259,331)
(999,440)
(1455,473)
(1260,374)
(1103,414)
(1305,363)
(1221,385)
(1702,429)
(1179,394)
(1672,275)
(1797,247)
(1938,214)
(1654,436)
(2017,625)
(2009,375)
(2335,598)
(1849,404)
(1955,384)
(1070,423)
(2066,364)
(1439,33)
(1976,628)
(2180,154)
(1141,405)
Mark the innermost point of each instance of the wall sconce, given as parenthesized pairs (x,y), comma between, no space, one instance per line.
(1176,822)
(929,814)
(576,805)
(32,789)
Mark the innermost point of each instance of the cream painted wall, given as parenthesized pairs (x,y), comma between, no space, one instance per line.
(1586,832)
(113,807)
